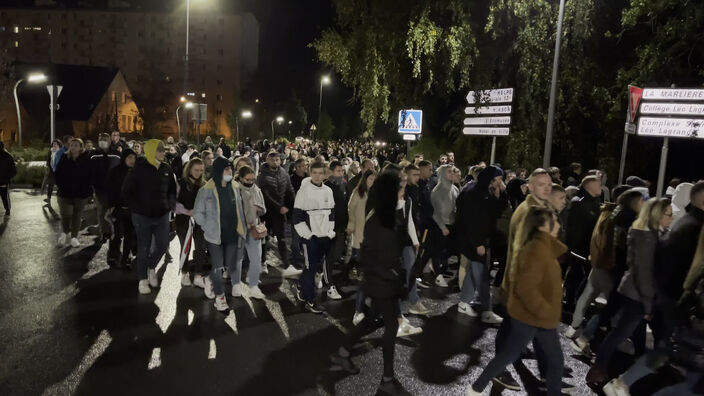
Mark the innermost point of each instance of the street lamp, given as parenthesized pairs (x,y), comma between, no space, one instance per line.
(325,80)
(245,115)
(187,105)
(32,78)
(279,120)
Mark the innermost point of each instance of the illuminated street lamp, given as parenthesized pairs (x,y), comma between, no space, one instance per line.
(325,80)
(279,120)
(245,115)
(32,78)
(187,105)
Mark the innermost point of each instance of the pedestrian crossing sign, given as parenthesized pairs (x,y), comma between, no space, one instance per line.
(410,121)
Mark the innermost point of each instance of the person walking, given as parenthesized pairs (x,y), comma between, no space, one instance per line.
(337,184)
(253,208)
(49,177)
(123,241)
(443,199)
(191,182)
(8,170)
(384,280)
(73,180)
(218,210)
(534,302)
(638,284)
(101,161)
(149,191)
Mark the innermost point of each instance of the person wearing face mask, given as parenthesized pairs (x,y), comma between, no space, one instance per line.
(191,182)
(149,191)
(337,184)
(218,210)
(49,178)
(123,241)
(534,301)
(253,207)
(73,180)
(100,163)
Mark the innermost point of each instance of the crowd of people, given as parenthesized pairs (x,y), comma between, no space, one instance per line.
(527,249)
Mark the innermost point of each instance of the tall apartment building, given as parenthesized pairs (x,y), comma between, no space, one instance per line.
(223,49)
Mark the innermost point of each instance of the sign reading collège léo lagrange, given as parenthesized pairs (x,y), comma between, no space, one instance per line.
(491,113)
(669,112)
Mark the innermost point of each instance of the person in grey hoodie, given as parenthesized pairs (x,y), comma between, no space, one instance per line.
(638,284)
(443,198)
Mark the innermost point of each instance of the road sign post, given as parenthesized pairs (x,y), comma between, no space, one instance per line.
(54,92)
(490,115)
(634,96)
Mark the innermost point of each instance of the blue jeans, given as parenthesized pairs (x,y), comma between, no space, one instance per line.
(409,258)
(476,281)
(148,230)
(517,339)
(631,316)
(253,247)
(221,256)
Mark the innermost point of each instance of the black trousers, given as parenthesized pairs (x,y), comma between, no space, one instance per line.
(384,312)
(123,241)
(276,223)
(200,258)
(5,194)
(575,279)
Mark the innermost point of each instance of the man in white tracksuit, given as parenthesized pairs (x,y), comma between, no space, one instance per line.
(314,221)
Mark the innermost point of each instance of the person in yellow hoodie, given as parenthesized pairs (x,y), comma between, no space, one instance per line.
(219,212)
(149,191)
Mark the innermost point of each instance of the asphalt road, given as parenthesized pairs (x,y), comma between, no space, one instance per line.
(71,325)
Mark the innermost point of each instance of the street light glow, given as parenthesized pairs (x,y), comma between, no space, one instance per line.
(279,119)
(325,80)
(189,105)
(246,114)
(256,100)
(183,99)
(290,122)
(36,77)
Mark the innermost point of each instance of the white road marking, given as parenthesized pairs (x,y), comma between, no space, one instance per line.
(190,317)
(69,384)
(213,351)
(155,360)
(169,290)
(231,321)
(276,313)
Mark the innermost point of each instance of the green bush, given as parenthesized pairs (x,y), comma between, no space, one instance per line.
(29,153)
(29,175)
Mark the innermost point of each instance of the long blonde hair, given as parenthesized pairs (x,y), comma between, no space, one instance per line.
(651,214)
(187,173)
(530,226)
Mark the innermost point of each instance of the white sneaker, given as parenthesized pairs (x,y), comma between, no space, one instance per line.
(238,290)
(153,280)
(428,268)
(419,309)
(318,280)
(570,332)
(578,344)
(265,269)
(256,292)
(75,243)
(440,281)
(225,274)
(407,329)
(144,287)
(291,272)
(333,294)
(208,289)
(357,318)
(198,281)
(472,392)
(616,387)
(466,309)
(62,239)
(221,303)
(186,279)
(489,317)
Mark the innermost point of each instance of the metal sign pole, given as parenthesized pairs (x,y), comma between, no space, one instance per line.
(493,150)
(663,166)
(624,150)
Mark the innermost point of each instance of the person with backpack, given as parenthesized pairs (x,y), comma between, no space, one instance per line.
(8,170)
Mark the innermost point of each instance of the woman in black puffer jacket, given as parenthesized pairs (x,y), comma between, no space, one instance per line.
(384,278)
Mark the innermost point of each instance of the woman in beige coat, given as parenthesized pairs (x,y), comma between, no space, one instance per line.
(355,228)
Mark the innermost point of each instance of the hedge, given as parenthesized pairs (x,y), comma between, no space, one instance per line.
(32,175)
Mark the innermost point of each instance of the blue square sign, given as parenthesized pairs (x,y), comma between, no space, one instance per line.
(410,121)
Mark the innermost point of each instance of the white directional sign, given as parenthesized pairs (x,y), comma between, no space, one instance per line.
(488,121)
(409,137)
(487,131)
(672,108)
(488,110)
(504,95)
(673,94)
(671,127)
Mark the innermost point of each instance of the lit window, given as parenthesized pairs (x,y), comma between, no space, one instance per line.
(17,43)
(16,29)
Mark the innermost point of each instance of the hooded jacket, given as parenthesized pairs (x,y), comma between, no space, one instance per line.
(535,294)
(340,197)
(252,203)
(581,221)
(101,162)
(515,193)
(680,200)
(206,211)
(443,199)
(276,187)
(116,178)
(623,218)
(314,211)
(678,253)
(73,176)
(638,283)
(477,212)
(150,188)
